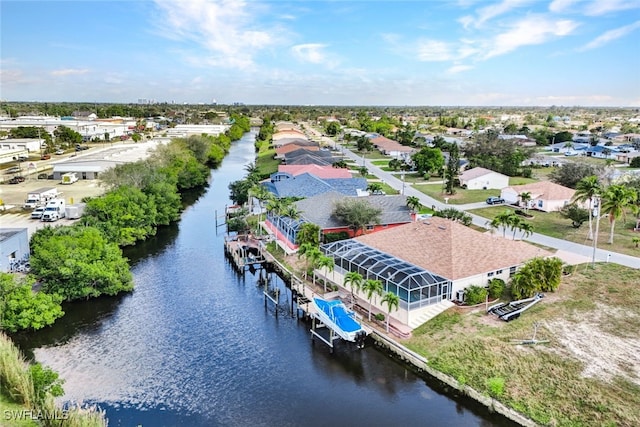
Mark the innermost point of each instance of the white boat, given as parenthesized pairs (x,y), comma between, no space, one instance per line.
(335,315)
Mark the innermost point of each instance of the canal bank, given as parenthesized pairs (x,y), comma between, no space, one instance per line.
(384,342)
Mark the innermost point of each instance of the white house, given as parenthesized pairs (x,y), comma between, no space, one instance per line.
(545,196)
(482,179)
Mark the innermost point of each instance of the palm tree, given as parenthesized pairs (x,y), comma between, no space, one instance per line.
(308,251)
(353,280)
(393,301)
(615,199)
(324,262)
(526,228)
(372,287)
(502,220)
(413,203)
(636,241)
(587,189)
(525,197)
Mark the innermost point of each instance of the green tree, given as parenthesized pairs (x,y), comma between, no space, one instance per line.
(67,136)
(576,214)
(496,287)
(78,262)
(324,262)
(586,189)
(502,220)
(239,191)
(614,201)
(21,308)
(487,150)
(45,382)
(356,213)
(374,187)
(308,233)
(413,203)
(372,287)
(364,144)
(571,173)
(452,170)
(428,160)
(393,302)
(525,198)
(537,275)
(332,128)
(310,254)
(354,281)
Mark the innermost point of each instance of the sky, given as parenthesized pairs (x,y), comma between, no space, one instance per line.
(278,52)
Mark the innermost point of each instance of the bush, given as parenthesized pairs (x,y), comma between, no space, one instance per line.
(379,317)
(475,295)
(635,162)
(496,288)
(527,172)
(495,386)
(334,237)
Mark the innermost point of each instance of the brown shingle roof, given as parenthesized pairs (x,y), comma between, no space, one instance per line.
(545,190)
(451,249)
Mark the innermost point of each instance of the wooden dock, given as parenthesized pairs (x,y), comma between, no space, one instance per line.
(244,251)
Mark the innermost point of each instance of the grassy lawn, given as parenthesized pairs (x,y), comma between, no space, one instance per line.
(552,224)
(518,180)
(7,408)
(460,198)
(583,376)
(265,163)
(380,162)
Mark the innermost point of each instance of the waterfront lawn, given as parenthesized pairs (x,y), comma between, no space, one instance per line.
(461,197)
(585,375)
(265,163)
(7,408)
(552,224)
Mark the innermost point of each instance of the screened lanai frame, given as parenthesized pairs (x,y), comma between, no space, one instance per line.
(288,226)
(415,286)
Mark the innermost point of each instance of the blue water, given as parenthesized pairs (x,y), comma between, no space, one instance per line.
(194,345)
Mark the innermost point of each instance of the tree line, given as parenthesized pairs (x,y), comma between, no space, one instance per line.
(85,260)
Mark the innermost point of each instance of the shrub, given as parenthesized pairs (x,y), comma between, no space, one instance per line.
(379,317)
(635,162)
(496,288)
(475,295)
(495,386)
(527,172)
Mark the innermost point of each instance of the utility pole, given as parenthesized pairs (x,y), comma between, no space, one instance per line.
(596,213)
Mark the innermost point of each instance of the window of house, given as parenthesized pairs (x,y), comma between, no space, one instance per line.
(490,274)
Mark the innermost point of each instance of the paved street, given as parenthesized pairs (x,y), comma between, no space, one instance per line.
(569,250)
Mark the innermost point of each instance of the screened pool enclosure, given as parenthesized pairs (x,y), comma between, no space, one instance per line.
(415,286)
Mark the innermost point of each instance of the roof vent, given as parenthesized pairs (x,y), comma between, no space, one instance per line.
(442,227)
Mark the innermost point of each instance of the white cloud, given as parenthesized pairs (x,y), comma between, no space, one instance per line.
(459,68)
(532,30)
(310,52)
(601,7)
(225,29)
(559,6)
(610,36)
(488,12)
(438,51)
(69,71)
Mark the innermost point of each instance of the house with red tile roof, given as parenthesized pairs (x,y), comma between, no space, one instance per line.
(324,172)
(288,148)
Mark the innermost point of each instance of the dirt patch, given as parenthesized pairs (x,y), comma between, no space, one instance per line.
(604,355)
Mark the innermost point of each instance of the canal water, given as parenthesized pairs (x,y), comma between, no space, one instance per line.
(194,345)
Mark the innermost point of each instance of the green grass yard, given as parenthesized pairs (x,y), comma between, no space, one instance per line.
(552,224)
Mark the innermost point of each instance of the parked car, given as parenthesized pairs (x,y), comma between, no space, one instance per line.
(37,213)
(16,180)
(45,157)
(12,169)
(59,151)
(495,200)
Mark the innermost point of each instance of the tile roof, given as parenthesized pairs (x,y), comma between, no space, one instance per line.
(544,190)
(451,249)
(319,209)
(323,172)
(288,148)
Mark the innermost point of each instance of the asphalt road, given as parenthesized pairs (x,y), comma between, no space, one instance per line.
(581,253)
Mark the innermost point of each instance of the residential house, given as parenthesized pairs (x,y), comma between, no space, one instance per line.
(308,185)
(601,152)
(392,148)
(14,247)
(483,179)
(319,210)
(546,196)
(322,172)
(427,262)
(288,148)
(302,156)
